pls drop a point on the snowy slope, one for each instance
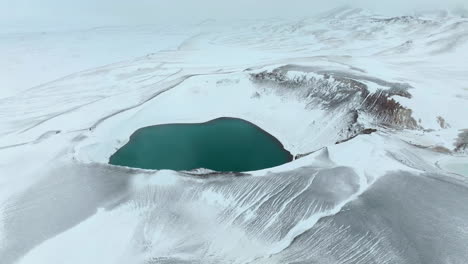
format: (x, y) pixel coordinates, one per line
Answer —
(51, 54)
(375, 109)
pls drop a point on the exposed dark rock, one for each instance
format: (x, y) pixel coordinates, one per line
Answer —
(300, 156)
(366, 131)
(461, 144)
(442, 123)
(402, 20)
(205, 173)
(389, 111)
(255, 95)
(334, 90)
(439, 149)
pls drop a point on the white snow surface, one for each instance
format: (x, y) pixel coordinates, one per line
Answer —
(68, 100)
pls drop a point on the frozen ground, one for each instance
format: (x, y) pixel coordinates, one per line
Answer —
(49, 54)
(375, 108)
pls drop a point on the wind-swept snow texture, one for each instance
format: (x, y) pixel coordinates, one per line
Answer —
(375, 110)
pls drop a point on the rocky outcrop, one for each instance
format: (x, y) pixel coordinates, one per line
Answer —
(461, 144)
(343, 93)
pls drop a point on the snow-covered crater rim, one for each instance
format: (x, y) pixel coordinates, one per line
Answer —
(91, 151)
(224, 135)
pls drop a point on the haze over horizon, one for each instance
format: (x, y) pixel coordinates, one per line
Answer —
(124, 12)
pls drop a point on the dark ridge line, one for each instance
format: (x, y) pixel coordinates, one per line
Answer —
(16, 145)
(184, 78)
(88, 71)
(344, 74)
(212, 174)
(61, 113)
(39, 139)
(366, 131)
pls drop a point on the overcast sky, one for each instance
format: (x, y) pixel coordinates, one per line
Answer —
(113, 12)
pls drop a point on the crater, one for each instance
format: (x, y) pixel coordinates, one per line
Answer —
(223, 144)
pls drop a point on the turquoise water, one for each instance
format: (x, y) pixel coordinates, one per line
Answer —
(224, 144)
